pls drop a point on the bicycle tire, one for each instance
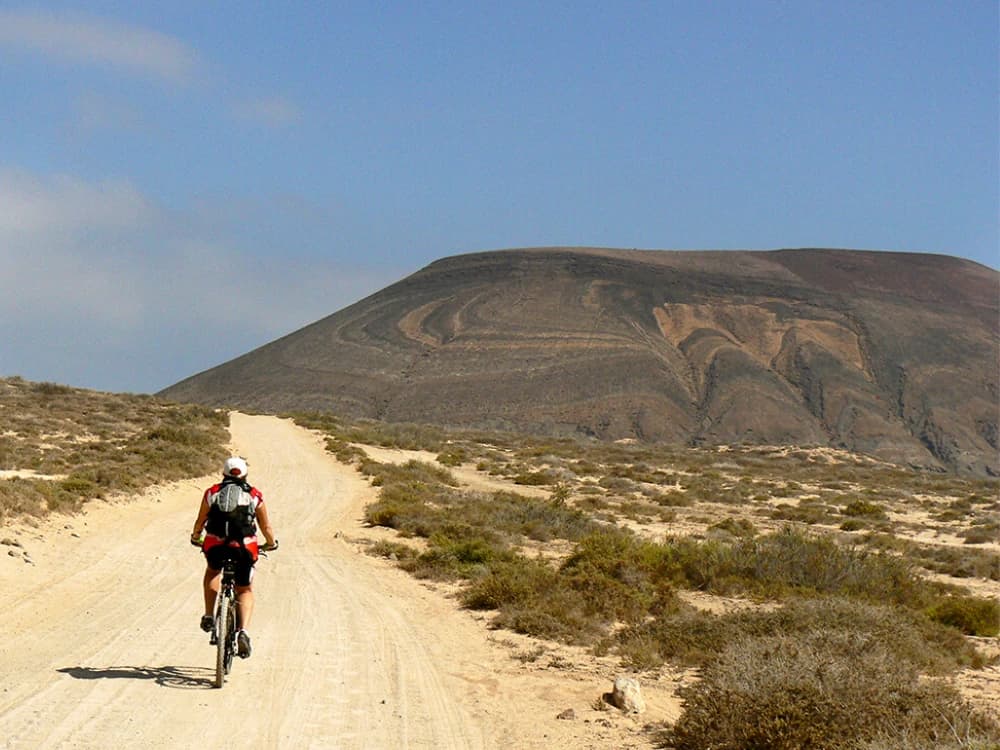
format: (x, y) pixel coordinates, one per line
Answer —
(230, 635)
(222, 639)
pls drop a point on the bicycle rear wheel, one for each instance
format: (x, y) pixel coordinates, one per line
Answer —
(223, 626)
(230, 635)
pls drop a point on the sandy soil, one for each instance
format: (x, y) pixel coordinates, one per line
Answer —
(99, 642)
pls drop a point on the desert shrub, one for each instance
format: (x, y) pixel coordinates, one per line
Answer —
(802, 513)
(392, 550)
(406, 436)
(530, 599)
(741, 527)
(20, 497)
(792, 561)
(583, 467)
(423, 472)
(865, 509)
(853, 524)
(621, 577)
(812, 563)
(51, 389)
(685, 636)
(971, 615)
(829, 691)
(415, 501)
(560, 494)
(953, 561)
(344, 451)
(458, 552)
(672, 499)
(982, 532)
(957, 510)
(514, 514)
(534, 478)
(511, 583)
(453, 457)
(99, 443)
(618, 484)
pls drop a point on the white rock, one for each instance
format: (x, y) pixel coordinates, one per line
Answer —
(627, 696)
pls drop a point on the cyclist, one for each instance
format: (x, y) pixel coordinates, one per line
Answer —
(227, 527)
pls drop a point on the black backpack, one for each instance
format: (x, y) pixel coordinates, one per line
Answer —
(232, 515)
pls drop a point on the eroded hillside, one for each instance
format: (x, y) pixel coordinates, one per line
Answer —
(887, 354)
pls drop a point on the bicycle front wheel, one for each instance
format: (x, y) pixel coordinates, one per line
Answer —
(222, 626)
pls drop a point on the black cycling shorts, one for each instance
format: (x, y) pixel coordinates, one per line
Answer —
(216, 558)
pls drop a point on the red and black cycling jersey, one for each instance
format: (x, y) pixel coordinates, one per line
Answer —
(236, 527)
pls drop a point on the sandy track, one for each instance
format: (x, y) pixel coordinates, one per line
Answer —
(99, 641)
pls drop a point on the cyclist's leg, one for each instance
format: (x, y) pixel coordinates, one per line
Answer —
(244, 600)
(244, 589)
(212, 581)
(211, 584)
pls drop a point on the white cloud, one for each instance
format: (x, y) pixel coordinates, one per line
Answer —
(135, 298)
(86, 39)
(34, 206)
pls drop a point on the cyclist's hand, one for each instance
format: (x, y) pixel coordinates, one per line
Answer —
(270, 547)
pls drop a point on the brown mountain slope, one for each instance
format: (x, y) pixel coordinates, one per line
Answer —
(890, 354)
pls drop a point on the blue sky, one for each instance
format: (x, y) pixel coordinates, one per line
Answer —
(183, 182)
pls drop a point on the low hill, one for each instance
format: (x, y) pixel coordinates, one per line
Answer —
(889, 354)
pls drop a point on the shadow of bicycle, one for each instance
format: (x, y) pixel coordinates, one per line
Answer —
(181, 678)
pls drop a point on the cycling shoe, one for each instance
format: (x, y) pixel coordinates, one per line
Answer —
(243, 647)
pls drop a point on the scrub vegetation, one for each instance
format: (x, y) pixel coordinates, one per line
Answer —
(61, 447)
(852, 572)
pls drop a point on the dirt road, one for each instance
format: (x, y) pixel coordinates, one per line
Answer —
(99, 641)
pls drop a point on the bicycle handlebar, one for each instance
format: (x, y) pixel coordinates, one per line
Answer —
(262, 548)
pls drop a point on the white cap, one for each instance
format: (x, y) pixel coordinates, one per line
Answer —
(235, 467)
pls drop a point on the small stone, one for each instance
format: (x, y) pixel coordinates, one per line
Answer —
(569, 714)
(13, 553)
(10, 542)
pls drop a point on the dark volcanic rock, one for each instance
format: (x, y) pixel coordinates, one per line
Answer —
(891, 354)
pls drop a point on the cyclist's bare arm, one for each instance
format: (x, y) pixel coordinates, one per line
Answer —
(199, 524)
(265, 525)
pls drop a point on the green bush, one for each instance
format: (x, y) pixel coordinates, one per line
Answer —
(458, 553)
(531, 599)
(865, 509)
(735, 527)
(622, 578)
(453, 457)
(534, 478)
(971, 615)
